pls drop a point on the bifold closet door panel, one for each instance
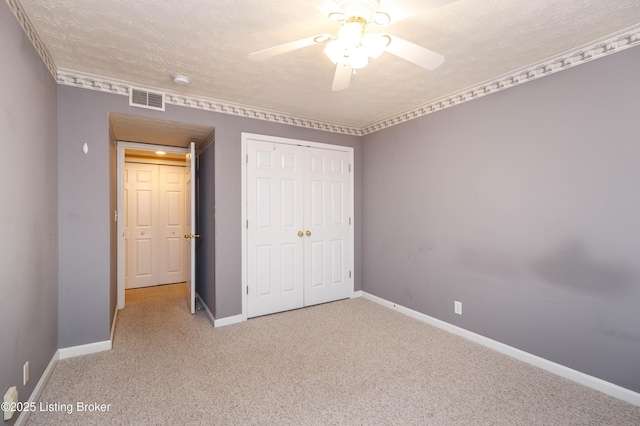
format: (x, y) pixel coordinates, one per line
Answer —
(328, 248)
(274, 221)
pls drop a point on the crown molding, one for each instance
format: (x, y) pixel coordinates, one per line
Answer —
(612, 43)
(120, 87)
(206, 143)
(32, 35)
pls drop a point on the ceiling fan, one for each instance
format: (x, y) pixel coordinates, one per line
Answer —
(354, 44)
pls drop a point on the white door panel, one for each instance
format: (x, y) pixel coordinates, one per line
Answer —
(190, 228)
(172, 211)
(328, 249)
(289, 259)
(274, 212)
(141, 223)
(127, 239)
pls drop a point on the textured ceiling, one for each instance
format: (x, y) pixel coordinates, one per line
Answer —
(145, 42)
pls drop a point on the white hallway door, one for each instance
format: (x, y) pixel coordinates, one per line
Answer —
(190, 228)
(154, 197)
(299, 241)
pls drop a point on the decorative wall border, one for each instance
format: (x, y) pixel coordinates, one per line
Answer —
(95, 82)
(209, 140)
(615, 42)
(119, 87)
(607, 45)
(32, 34)
(225, 107)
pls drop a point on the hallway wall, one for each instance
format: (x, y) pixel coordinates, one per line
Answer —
(28, 212)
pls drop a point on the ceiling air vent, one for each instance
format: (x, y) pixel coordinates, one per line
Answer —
(146, 99)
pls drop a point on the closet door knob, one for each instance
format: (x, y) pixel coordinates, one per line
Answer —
(308, 233)
(300, 233)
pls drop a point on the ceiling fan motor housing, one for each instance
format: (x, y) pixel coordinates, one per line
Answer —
(361, 8)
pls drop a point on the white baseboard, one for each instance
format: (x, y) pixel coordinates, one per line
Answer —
(113, 325)
(87, 349)
(356, 294)
(221, 322)
(568, 373)
(207, 312)
(37, 391)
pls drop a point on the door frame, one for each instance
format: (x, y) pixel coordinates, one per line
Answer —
(121, 146)
(276, 139)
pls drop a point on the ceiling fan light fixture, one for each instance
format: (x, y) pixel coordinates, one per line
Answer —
(375, 44)
(363, 8)
(350, 34)
(352, 47)
(334, 51)
(358, 58)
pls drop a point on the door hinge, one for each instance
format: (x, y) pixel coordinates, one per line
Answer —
(247, 289)
(349, 274)
(349, 167)
(349, 221)
(247, 223)
(247, 158)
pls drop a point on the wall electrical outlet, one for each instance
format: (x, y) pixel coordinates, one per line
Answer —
(25, 373)
(457, 307)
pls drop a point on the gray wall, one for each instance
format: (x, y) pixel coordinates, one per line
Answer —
(523, 205)
(87, 229)
(29, 218)
(85, 216)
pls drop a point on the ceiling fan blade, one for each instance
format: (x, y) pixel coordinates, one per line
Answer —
(413, 53)
(403, 9)
(342, 77)
(288, 47)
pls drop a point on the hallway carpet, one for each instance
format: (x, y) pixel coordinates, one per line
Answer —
(350, 362)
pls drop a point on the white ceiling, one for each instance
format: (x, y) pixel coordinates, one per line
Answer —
(145, 42)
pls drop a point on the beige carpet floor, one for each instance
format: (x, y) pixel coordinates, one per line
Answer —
(350, 362)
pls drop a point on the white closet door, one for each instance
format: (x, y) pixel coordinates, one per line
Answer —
(142, 220)
(274, 212)
(171, 223)
(328, 248)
